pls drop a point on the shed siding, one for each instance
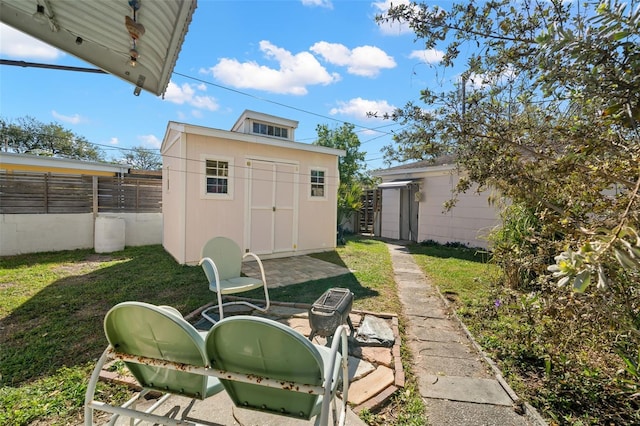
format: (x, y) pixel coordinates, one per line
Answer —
(467, 223)
(204, 217)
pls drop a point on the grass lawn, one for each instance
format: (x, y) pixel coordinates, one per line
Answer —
(52, 306)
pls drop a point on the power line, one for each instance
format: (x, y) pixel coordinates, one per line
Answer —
(277, 103)
(110, 147)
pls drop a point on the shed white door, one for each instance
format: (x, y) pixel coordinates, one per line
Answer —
(273, 199)
(409, 213)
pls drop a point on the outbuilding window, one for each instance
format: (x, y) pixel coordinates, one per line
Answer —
(270, 130)
(318, 183)
(218, 178)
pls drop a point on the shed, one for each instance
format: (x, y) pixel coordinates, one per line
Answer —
(413, 199)
(254, 184)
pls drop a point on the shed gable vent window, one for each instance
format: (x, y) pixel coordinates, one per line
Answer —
(317, 183)
(269, 130)
(217, 177)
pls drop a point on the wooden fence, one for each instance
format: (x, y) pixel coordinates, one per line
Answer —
(41, 193)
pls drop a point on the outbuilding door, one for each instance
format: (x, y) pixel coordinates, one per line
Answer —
(273, 199)
(409, 213)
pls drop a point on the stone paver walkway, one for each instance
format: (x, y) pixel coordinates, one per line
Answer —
(460, 386)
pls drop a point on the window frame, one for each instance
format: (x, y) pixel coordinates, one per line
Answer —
(269, 130)
(230, 178)
(324, 184)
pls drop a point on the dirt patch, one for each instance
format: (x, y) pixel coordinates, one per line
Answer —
(91, 263)
(451, 296)
(5, 286)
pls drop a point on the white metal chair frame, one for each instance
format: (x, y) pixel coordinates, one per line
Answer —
(234, 285)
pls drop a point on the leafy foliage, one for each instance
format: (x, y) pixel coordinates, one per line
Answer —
(141, 158)
(572, 355)
(352, 167)
(29, 136)
(546, 112)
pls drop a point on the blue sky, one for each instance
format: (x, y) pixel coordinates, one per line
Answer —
(314, 61)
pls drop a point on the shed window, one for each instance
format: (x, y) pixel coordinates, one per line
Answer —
(268, 129)
(217, 176)
(318, 183)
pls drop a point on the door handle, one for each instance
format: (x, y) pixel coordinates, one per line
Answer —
(274, 208)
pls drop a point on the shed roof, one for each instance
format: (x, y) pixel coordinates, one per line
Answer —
(95, 31)
(174, 128)
(445, 162)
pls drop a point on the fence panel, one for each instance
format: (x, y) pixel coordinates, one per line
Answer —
(35, 193)
(41, 193)
(128, 194)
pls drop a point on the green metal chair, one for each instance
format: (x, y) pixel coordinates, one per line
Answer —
(161, 334)
(222, 264)
(273, 368)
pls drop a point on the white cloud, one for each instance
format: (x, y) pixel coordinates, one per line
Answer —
(114, 141)
(483, 81)
(319, 3)
(293, 75)
(365, 61)
(150, 141)
(72, 119)
(429, 56)
(187, 94)
(16, 44)
(359, 108)
(391, 28)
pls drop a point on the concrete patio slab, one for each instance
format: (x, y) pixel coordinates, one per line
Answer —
(219, 410)
(293, 270)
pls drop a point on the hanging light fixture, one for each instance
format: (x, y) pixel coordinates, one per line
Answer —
(133, 55)
(135, 29)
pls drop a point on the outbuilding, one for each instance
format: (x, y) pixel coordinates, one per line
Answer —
(413, 205)
(254, 184)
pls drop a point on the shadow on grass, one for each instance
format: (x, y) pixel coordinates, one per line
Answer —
(61, 324)
(309, 291)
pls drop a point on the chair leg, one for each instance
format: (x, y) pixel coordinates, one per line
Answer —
(205, 313)
(91, 389)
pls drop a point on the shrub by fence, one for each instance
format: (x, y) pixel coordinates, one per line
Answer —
(42, 193)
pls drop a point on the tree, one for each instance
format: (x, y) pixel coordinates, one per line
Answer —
(142, 158)
(352, 167)
(547, 112)
(29, 136)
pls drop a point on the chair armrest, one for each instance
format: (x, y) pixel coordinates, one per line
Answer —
(257, 259)
(209, 267)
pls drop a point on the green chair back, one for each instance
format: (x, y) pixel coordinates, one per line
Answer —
(254, 345)
(141, 329)
(227, 256)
